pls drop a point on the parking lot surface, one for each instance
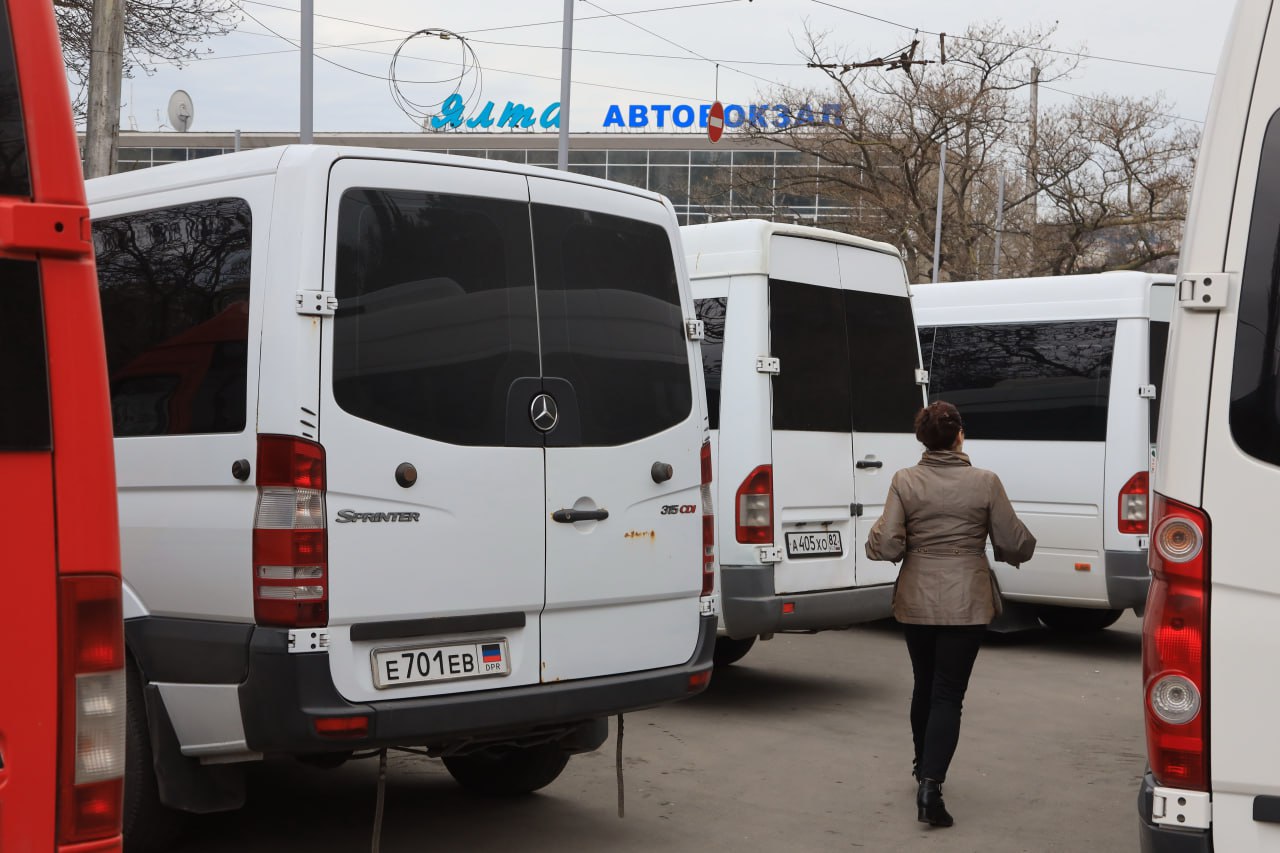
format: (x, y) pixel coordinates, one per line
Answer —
(804, 745)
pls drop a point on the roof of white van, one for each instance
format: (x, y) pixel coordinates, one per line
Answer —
(1098, 296)
(741, 247)
(264, 161)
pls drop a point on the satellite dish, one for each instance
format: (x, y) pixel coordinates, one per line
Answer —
(181, 111)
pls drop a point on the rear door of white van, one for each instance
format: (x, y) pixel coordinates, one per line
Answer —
(623, 534)
(435, 490)
(884, 355)
(812, 440)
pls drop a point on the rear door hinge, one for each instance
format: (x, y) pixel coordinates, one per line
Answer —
(855, 510)
(695, 330)
(922, 377)
(769, 554)
(1147, 392)
(59, 229)
(316, 303)
(768, 364)
(1203, 292)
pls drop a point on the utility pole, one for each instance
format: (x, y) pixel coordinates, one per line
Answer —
(937, 227)
(306, 100)
(999, 226)
(1033, 158)
(566, 65)
(106, 66)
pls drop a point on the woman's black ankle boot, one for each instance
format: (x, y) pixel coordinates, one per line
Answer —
(930, 808)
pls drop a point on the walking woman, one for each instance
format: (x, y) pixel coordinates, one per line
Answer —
(936, 519)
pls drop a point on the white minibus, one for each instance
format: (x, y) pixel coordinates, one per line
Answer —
(812, 374)
(1210, 638)
(1057, 381)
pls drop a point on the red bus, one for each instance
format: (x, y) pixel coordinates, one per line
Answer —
(62, 676)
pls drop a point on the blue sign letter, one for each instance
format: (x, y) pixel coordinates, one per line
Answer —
(546, 120)
(683, 110)
(613, 116)
(516, 115)
(729, 121)
(639, 116)
(450, 112)
(484, 119)
(661, 110)
(831, 114)
(704, 113)
(784, 116)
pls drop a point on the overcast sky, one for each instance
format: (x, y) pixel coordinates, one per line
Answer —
(231, 89)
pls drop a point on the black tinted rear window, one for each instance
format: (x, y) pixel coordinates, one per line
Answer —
(15, 175)
(1158, 344)
(883, 362)
(611, 321)
(712, 313)
(1025, 381)
(24, 383)
(174, 284)
(807, 335)
(436, 316)
(1255, 377)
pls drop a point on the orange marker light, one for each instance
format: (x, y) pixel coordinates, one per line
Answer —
(788, 607)
(1084, 567)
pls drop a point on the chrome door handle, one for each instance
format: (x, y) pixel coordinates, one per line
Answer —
(569, 516)
(869, 463)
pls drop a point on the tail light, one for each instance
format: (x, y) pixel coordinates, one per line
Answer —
(1175, 647)
(290, 542)
(754, 506)
(92, 708)
(1133, 504)
(708, 525)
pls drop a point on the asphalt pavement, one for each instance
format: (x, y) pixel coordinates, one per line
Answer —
(802, 746)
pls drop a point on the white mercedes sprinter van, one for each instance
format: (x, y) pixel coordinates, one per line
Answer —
(1057, 380)
(1210, 638)
(397, 437)
(812, 374)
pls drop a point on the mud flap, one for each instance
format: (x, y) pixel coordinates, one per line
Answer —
(184, 783)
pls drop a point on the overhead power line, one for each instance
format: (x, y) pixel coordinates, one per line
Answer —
(1076, 54)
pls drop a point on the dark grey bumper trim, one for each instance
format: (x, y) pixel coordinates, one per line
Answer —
(1161, 839)
(752, 608)
(1127, 579)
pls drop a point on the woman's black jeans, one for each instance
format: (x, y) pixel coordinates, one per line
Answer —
(942, 659)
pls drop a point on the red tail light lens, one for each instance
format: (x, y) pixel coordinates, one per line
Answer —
(708, 525)
(1133, 504)
(290, 539)
(92, 708)
(1175, 646)
(753, 521)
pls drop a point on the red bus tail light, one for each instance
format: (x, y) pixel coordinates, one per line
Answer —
(708, 525)
(1134, 498)
(92, 708)
(753, 505)
(1175, 646)
(290, 536)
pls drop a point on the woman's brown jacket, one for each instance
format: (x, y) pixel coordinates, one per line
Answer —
(937, 516)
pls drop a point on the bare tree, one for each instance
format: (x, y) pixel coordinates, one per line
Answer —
(155, 31)
(1062, 206)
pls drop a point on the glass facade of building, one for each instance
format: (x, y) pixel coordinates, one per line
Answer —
(703, 184)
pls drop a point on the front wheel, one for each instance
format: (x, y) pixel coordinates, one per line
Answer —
(1078, 620)
(730, 651)
(508, 771)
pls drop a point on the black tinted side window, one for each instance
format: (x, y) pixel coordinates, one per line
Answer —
(612, 323)
(883, 362)
(174, 284)
(1255, 377)
(15, 175)
(1028, 381)
(436, 314)
(807, 336)
(712, 313)
(24, 382)
(1158, 344)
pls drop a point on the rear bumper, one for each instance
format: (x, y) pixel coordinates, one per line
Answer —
(1127, 579)
(1162, 839)
(284, 694)
(751, 607)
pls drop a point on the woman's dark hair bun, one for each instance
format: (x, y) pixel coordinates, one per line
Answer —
(938, 425)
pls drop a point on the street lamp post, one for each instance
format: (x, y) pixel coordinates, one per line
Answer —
(566, 64)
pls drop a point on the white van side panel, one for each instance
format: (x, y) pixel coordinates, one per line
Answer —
(176, 493)
(1128, 447)
(1238, 490)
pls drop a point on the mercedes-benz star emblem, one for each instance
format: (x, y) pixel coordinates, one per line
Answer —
(543, 412)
